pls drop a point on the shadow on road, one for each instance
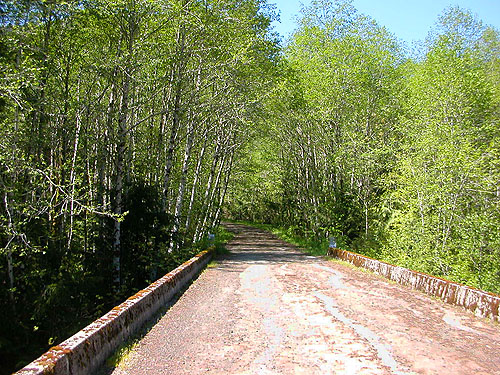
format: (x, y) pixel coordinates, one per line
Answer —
(256, 246)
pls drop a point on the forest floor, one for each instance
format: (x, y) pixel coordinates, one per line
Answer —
(267, 308)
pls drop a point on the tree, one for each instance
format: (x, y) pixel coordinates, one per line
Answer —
(445, 200)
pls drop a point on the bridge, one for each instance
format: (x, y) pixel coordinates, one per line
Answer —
(267, 308)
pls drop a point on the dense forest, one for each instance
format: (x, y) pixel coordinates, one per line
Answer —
(129, 128)
(394, 152)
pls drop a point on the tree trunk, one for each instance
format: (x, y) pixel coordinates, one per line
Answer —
(209, 214)
(182, 185)
(72, 180)
(200, 228)
(195, 182)
(10, 261)
(118, 209)
(215, 221)
(177, 79)
(121, 152)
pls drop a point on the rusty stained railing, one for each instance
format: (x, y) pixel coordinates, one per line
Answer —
(481, 303)
(88, 349)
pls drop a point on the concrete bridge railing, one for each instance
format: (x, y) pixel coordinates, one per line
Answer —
(481, 303)
(88, 349)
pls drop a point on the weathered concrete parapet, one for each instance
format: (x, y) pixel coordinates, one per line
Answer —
(88, 349)
(482, 304)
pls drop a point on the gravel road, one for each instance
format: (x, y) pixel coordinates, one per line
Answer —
(269, 309)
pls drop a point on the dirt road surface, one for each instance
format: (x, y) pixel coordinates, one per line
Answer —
(269, 309)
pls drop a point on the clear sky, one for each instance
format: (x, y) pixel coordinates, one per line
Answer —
(409, 20)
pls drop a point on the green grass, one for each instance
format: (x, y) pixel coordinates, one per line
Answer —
(308, 245)
(222, 237)
(122, 353)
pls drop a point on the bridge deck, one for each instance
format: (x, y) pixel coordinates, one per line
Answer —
(269, 309)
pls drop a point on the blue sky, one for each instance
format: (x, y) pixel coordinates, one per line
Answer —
(409, 20)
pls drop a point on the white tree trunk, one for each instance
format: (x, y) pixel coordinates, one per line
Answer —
(121, 152)
(10, 261)
(182, 184)
(224, 190)
(209, 214)
(195, 183)
(72, 180)
(177, 79)
(199, 227)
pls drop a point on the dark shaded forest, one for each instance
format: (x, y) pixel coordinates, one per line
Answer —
(130, 128)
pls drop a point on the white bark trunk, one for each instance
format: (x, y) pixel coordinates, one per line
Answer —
(195, 183)
(199, 228)
(121, 152)
(215, 221)
(177, 79)
(209, 214)
(10, 261)
(72, 180)
(182, 185)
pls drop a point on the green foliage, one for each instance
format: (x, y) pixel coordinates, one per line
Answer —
(255, 193)
(397, 157)
(444, 194)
